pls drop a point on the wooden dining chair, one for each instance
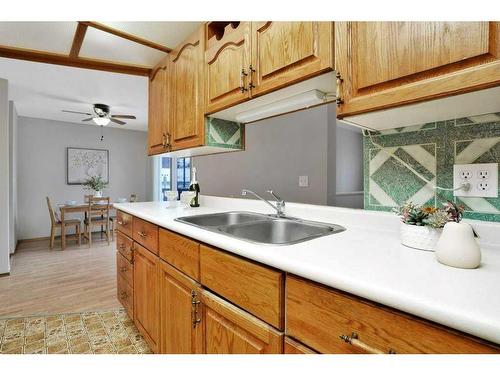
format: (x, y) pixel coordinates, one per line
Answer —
(55, 223)
(97, 215)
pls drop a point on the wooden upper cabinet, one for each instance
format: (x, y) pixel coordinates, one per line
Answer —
(227, 60)
(158, 115)
(386, 64)
(187, 92)
(146, 295)
(230, 330)
(181, 332)
(287, 52)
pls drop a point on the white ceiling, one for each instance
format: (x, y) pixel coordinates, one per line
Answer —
(43, 90)
(58, 37)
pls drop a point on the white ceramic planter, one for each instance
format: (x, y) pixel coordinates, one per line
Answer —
(98, 194)
(419, 237)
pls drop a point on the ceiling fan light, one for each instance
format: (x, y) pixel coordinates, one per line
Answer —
(103, 121)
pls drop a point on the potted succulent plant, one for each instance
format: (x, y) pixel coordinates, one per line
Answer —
(97, 184)
(421, 226)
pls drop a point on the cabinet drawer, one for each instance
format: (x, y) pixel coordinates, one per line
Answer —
(180, 252)
(125, 246)
(146, 234)
(124, 223)
(255, 288)
(125, 294)
(318, 316)
(125, 269)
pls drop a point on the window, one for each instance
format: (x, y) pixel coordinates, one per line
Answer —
(170, 178)
(183, 173)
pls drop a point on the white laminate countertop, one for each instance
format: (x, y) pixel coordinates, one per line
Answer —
(366, 260)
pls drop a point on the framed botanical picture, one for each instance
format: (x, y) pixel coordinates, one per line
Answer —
(83, 163)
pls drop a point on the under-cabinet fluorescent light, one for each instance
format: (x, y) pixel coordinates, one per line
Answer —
(101, 120)
(292, 103)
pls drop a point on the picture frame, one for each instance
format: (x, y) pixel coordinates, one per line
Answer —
(83, 163)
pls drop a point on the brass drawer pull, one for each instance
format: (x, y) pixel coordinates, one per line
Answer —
(123, 295)
(339, 100)
(142, 234)
(243, 74)
(355, 341)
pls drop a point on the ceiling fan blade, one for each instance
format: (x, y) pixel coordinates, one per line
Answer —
(80, 113)
(117, 121)
(132, 117)
(87, 119)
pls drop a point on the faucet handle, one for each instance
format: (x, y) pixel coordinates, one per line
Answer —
(278, 198)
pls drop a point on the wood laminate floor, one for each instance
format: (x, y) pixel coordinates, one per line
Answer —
(44, 281)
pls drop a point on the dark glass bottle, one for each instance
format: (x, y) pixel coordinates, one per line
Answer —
(194, 186)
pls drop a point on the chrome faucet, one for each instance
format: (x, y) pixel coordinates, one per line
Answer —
(280, 203)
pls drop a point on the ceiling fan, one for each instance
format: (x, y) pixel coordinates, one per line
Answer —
(101, 115)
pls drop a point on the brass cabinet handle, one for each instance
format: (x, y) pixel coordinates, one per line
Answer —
(339, 100)
(194, 308)
(251, 70)
(243, 74)
(142, 234)
(354, 340)
(169, 146)
(123, 295)
(121, 222)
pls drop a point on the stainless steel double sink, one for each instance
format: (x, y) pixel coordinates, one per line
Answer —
(262, 229)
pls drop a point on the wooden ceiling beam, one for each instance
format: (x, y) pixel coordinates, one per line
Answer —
(125, 35)
(78, 62)
(81, 29)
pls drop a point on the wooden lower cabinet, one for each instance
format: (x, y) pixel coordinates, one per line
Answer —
(230, 330)
(318, 316)
(146, 295)
(181, 332)
(295, 347)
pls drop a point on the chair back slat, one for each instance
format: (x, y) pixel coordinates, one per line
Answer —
(53, 215)
(99, 206)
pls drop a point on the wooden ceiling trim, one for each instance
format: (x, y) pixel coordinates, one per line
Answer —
(125, 35)
(78, 62)
(81, 29)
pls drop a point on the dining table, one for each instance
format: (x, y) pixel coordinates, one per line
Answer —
(72, 208)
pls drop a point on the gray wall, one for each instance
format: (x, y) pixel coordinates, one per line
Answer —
(13, 177)
(279, 150)
(4, 177)
(349, 167)
(42, 167)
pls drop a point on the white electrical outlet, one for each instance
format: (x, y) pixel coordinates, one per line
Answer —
(482, 180)
(303, 181)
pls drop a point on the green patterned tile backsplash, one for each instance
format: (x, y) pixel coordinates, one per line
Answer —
(431, 150)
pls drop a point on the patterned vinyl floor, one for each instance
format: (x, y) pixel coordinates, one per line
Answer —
(107, 332)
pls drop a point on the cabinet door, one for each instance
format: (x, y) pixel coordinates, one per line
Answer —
(385, 64)
(187, 93)
(227, 60)
(146, 295)
(287, 52)
(295, 347)
(230, 330)
(181, 331)
(158, 115)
